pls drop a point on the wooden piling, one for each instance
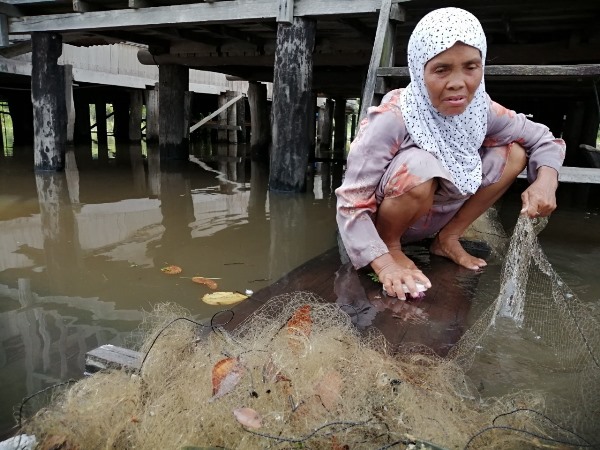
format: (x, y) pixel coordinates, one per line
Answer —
(81, 127)
(101, 131)
(339, 142)
(292, 95)
(136, 103)
(260, 132)
(173, 126)
(121, 119)
(69, 102)
(49, 104)
(151, 97)
(231, 119)
(325, 125)
(241, 120)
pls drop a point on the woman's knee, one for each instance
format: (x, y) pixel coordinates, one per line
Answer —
(517, 158)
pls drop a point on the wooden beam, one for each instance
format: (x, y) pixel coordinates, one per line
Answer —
(9, 10)
(569, 174)
(137, 4)
(82, 6)
(194, 13)
(217, 112)
(529, 72)
(285, 12)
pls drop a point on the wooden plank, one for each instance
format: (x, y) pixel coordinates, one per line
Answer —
(285, 12)
(194, 13)
(112, 357)
(575, 175)
(528, 72)
(215, 113)
(9, 10)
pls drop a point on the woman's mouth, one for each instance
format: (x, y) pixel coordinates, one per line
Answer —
(455, 101)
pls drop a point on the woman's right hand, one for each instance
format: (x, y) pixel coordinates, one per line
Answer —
(395, 276)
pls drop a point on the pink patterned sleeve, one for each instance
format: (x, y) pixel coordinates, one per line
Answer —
(378, 140)
(543, 149)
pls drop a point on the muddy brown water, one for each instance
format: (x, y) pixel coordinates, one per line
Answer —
(81, 250)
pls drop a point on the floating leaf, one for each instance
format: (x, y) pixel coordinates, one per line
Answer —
(223, 298)
(206, 281)
(248, 417)
(226, 374)
(171, 270)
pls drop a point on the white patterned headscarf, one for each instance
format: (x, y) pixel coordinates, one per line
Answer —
(454, 140)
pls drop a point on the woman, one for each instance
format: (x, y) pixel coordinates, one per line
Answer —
(435, 155)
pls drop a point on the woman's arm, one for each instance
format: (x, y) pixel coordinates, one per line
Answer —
(378, 140)
(545, 154)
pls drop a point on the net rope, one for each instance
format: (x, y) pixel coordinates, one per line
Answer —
(298, 374)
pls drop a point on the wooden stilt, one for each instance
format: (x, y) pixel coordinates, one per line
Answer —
(312, 126)
(572, 133)
(260, 133)
(231, 119)
(151, 115)
(172, 128)
(49, 104)
(81, 127)
(241, 120)
(70, 104)
(101, 123)
(135, 116)
(222, 119)
(339, 142)
(121, 119)
(353, 127)
(292, 96)
(326, 122)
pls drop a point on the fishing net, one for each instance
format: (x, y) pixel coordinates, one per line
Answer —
(298, 374)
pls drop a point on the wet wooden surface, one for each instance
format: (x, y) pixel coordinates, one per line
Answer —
(436, 321)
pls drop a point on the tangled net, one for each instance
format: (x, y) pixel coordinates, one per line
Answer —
(297, 374)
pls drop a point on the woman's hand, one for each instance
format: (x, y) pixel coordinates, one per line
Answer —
(539, 199)
(393, 276)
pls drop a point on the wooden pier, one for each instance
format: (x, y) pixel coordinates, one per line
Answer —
(331, 49)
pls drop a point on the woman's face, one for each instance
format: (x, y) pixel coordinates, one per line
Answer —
(452, 77)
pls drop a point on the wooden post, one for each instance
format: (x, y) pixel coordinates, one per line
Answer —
(152, 115)
(222, 119)
(572, 133)
(339, 142)
(173, 83)
(101, 132)
(135, 115)
(260, 133)
(81, 127)
(241, 120)
(312, 126)
(231, 119)
(292, 96)
(70, 104)
(326, 122)
(49, 104)
(353, 127)
(121, 119)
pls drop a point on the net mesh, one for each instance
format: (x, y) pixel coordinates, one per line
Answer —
(297, 373)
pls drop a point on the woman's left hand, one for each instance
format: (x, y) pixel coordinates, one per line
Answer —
(539, 199)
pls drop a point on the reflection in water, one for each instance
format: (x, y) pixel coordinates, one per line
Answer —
(82, 250)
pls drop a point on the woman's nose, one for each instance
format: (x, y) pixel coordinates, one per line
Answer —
(456, 80)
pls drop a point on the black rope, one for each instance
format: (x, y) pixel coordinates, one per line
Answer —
(215, 328)
(41, 391)
(310, 435)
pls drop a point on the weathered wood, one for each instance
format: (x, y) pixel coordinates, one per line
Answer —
(136, 4)
(136, 103)
(339, 142)
(81, 126)
(152, 115)
(215, 113)
(83, 6)
(382, 55)
(121, 119)
(353, 127)
(69, 102)
(514, 72)
(260, 130)
(101, 129)
(592, 155)
(285, 11)
(4, 41)
(292, 94)
(240, 115)
(194, 13)
(222, 119)
(49, 104)
(568, 174)
(326, 125)
(173, 83)
(231, 119)
(112, 357)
